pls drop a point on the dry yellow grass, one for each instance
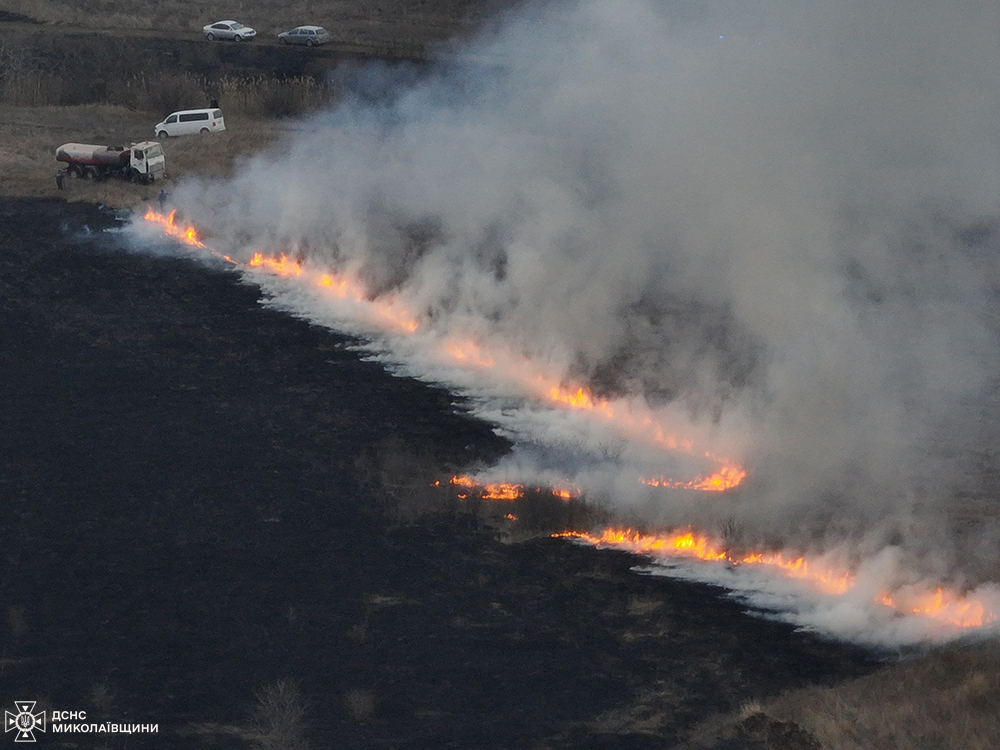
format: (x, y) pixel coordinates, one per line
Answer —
(948, 699)
(29, 137)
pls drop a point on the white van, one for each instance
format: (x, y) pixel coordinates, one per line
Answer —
(190, 121)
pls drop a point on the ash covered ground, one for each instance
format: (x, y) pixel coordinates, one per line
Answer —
(203, 497)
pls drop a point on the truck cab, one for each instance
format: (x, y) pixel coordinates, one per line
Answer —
(147, 161)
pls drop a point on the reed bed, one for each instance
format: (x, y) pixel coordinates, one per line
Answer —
(257, 96)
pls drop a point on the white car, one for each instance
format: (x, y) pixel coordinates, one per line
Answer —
(228, 30)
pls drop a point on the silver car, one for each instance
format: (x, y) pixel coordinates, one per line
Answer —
(307, 35)
(228, 30)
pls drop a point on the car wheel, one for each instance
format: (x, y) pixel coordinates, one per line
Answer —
(91, 174)
(309, 42)
(162, 134)
(238, 38)
(73, 170)
(204, 130)
(210, 36)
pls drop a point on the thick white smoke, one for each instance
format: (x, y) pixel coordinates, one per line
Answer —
(769, 222)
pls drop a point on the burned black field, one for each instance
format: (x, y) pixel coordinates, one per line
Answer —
(203, 498)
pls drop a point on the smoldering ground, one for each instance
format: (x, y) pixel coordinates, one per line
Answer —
(772, 223)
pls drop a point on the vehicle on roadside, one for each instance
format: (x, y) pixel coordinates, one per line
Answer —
(190, 122)
(137, 162)
(310, 36)
(228, 30)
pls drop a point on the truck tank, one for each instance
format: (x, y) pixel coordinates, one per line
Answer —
(85, 153)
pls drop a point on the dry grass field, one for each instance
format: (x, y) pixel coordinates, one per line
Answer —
(29, 137)
(949, 698)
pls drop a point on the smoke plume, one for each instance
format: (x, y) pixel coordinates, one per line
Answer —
(771, 224)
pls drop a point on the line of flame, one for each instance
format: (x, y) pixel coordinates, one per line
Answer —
(947, 608)
(282, 265)
(188, 235)
(725, 478)
(391, 313)
(494, 491)
(507, 490)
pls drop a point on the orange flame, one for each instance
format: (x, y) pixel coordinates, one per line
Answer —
(389, 312)
(508, 490)
(503, 491)
(282, 265)
(689, 544)
(725, 478)
(948, 609)
(579, 399)
(494, 491)
(187, 235)
(944, 606)
(685, 543)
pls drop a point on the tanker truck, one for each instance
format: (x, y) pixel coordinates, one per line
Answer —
(138, 162)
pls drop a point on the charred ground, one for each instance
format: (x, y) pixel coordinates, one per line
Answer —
(204, 497)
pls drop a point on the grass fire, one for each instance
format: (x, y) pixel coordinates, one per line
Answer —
(605, 373)
(948, 611)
